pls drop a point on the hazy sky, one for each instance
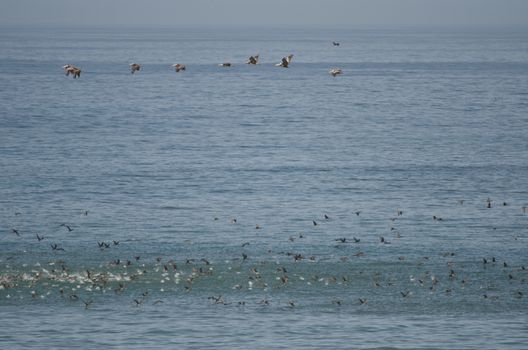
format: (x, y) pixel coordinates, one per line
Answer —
(266, 12)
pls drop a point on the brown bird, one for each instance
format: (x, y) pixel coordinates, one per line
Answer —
(178, 67)
(225, 64)
(134, 67)
(69, 69)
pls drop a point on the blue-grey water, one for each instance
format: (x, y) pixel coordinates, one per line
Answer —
(422, 142)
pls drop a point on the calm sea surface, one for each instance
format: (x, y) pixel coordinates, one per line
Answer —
(263, 207)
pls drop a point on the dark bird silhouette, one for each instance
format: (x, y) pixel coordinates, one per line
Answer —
(116, 242)
(405, 294)
(56, 247)
(16, 232)
(314, 222)
(253, 59)
(335, 43)
(40, 238)
(326, 217)
(68, 227)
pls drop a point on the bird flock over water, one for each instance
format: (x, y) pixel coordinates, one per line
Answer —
(144, 279)
(285, 62)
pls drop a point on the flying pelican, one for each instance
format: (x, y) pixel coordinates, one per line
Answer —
(334, 72)
(134, 67)
(178, 67)
(69, 69)
(253, 59)
(285, 62)
(225, 64)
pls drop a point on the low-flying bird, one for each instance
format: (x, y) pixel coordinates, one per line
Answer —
(134, 67)
(253, 59)
(285, 61)
(68, 227)
(335, 71)
(74, 71)
(56, 247)
(178, 67)
(87, 304)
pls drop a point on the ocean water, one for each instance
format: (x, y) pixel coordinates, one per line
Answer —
(217, 207)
